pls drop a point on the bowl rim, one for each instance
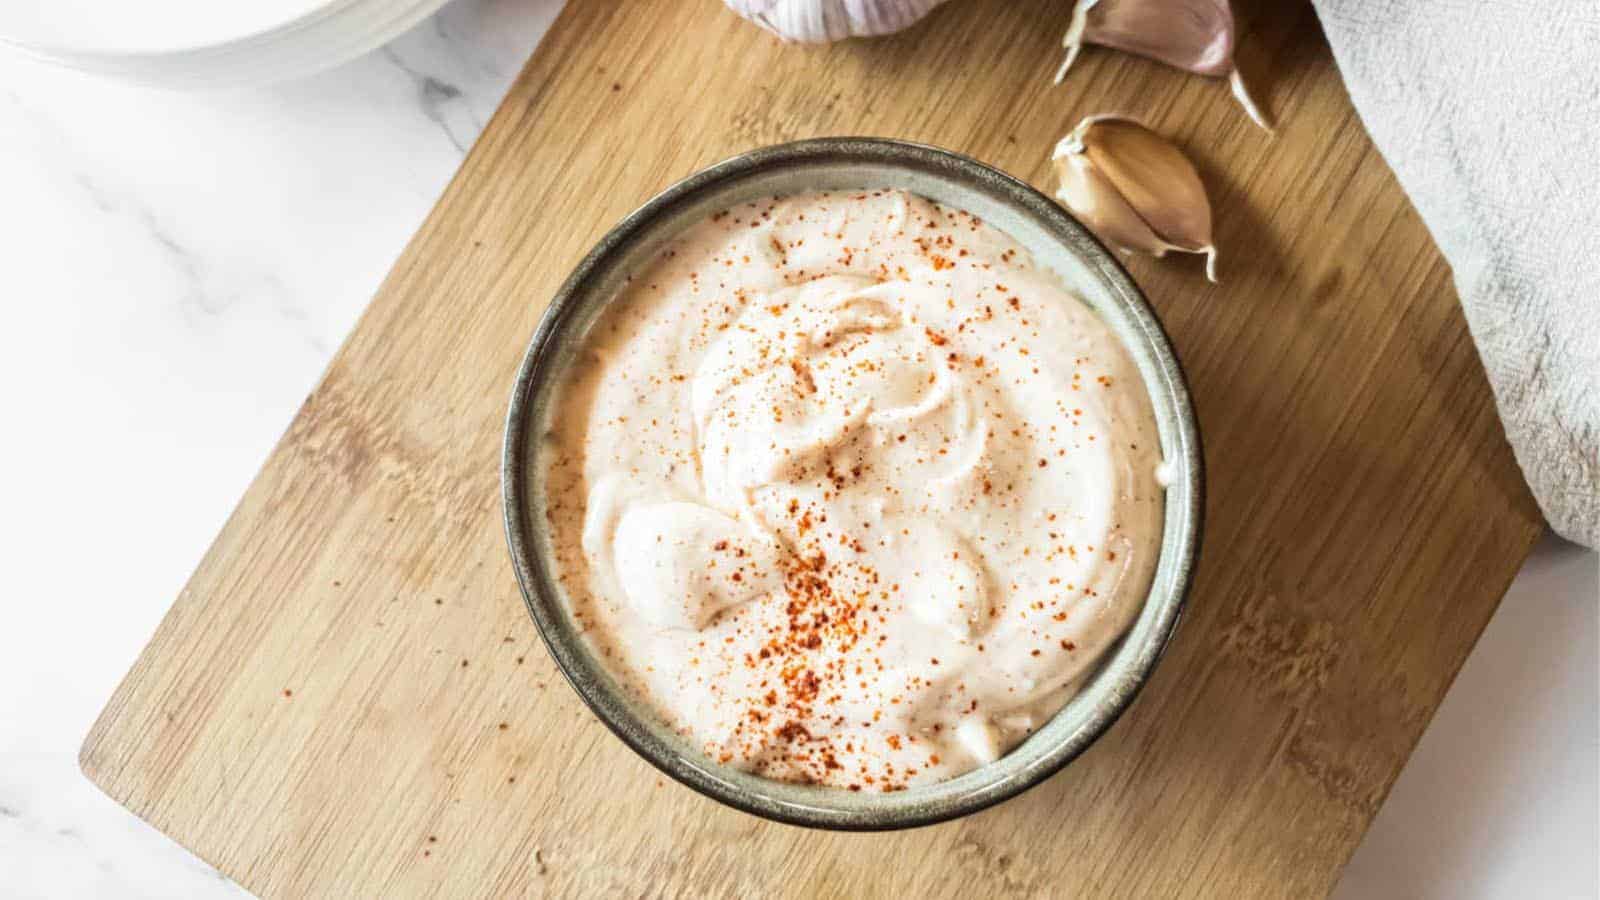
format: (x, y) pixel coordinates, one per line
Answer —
(540, 597)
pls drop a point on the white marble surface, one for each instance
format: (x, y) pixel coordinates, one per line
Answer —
(181, 268)
(1500, 798)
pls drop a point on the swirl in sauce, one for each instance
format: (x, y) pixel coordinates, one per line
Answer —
(850, 492)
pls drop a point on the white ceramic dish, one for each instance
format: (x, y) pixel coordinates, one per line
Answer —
(329, 33)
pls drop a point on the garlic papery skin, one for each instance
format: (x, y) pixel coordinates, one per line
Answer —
(1134, 188)
(1194, 35)
(826, 21)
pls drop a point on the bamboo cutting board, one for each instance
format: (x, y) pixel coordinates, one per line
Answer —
(349, 698)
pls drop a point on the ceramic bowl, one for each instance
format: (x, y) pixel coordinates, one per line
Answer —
(1058, 243)
(226, 48)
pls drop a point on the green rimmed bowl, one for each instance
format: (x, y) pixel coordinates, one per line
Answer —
(1058, 243)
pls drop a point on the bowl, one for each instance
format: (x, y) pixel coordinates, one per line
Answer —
(1058, 243)
(187, 45)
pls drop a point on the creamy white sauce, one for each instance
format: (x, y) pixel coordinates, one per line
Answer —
(850, 492)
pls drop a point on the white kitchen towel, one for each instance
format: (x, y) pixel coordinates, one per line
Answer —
(1489, 113)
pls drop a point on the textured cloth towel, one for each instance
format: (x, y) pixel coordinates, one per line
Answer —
(1489, 113)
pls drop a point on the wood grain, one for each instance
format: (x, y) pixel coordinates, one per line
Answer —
(348, 697)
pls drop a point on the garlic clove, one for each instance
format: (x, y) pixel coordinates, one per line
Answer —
(1194, 35)
(1095, 200)
(1155, 178)
(826, 21)
(1134, 189)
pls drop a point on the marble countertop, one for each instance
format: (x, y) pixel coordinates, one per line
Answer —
(180, 268)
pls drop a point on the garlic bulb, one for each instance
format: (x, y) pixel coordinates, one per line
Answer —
(825, 21)
(1196, 35)
(1134, 189)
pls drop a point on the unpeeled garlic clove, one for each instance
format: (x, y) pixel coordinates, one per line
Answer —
(825, 21)
(1134, 189)
(1195, 35)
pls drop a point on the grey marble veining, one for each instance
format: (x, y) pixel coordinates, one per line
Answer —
(185, 264)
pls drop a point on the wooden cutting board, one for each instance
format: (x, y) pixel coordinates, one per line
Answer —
(349, 698)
